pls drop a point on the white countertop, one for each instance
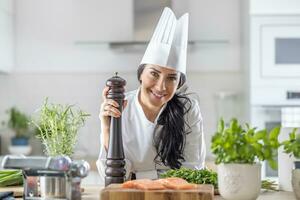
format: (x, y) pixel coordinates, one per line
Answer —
(270, 195)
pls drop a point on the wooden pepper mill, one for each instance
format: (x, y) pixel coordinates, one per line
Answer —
(115, 171)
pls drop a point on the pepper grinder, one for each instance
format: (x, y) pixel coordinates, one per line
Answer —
(115, 171)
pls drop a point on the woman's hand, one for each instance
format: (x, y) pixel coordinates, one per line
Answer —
(108, 109)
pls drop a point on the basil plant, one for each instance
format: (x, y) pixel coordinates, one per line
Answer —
(291, 146)
(244, 145)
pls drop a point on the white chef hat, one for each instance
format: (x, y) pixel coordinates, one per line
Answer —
(168, 45)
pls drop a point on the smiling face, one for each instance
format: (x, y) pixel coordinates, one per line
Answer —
(158, 85)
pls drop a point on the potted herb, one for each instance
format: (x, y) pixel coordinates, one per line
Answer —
(18, 122)
(202, 176)
(58, 127)
(238, 150)
(291, 146)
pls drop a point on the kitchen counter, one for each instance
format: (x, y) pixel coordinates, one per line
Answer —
(93, 192)
(271, 196)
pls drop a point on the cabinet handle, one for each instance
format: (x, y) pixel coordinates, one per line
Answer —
(290, 95)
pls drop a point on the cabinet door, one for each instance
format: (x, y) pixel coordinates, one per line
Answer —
(274, 7)
(215, 28)
(103, 20)
(6, 6)
(211, 19)
(6, 42)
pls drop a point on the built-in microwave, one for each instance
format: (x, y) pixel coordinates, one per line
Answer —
(280, 50)
(275, 60)
(280, 47)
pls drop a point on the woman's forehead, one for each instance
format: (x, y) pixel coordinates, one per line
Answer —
(167, 70)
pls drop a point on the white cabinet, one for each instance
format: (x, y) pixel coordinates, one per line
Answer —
(215, 28)
(276, 7)
(103, 20)
(6, 6)
(6, 38)
(211, 20)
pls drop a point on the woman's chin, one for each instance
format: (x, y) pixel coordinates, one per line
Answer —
(156, 102)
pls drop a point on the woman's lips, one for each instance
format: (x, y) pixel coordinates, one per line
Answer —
(157, 95)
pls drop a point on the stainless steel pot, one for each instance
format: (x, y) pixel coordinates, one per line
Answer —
(53, 187)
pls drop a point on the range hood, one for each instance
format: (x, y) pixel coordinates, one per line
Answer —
(146, 16)
(132, 24)
(140, 25)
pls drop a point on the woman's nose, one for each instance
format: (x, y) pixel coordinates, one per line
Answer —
(161, 84)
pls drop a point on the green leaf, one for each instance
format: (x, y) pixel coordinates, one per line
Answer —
(203, 176)
(272, 163)
(293, 134)
(221, 126)
(291, 146)
(274, 133)
(244, 145)
(260, 134)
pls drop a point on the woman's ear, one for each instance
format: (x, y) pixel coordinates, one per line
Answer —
(182, 80)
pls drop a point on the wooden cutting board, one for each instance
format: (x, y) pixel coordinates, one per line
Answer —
(116, 192)
(18, 190)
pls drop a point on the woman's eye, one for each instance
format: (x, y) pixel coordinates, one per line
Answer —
(155, 74)
(173, 78)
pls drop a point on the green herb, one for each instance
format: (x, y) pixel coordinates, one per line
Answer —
(58, 128)
(269, 185)
(18, 122)
(235, 144)
(10, 178)
(204, 176)
(292, 145)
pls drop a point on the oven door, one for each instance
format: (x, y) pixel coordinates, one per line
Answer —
(280, 50)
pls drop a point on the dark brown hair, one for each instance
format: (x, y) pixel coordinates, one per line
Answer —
(170, 141)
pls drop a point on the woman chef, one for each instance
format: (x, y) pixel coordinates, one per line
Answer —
(161, 125)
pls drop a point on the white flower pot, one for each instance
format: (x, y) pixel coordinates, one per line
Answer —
(239, 181)
(296, 182)
(285, 166)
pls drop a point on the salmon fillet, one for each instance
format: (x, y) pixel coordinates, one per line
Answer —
(177, 184)
(128, 184)
(143, 184)
(160, 184)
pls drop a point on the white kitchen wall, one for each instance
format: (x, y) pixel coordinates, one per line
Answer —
(48, 40)
(50, 64)
(6, 35)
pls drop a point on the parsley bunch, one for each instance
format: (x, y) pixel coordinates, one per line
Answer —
(203, 176)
